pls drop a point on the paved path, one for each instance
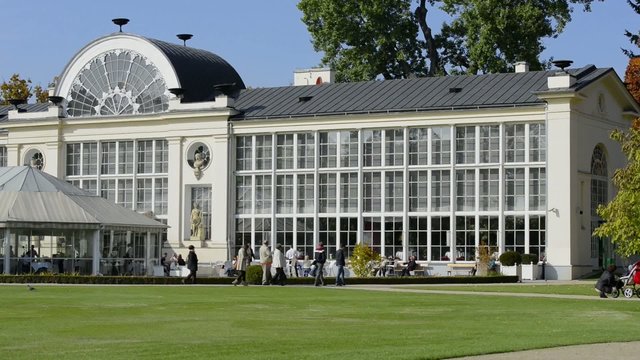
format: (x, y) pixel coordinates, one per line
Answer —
(609, 351)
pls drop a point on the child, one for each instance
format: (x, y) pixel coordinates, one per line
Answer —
(306, 266)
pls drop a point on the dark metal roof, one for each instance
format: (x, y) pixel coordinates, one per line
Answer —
(422, 94)
(4, 109)
(198, 70)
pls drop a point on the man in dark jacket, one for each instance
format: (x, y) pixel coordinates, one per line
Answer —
(320, 258)
(411, 266)
(192, 265)
(340, 263)
(607, 281)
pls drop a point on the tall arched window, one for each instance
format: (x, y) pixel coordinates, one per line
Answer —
(600, 248)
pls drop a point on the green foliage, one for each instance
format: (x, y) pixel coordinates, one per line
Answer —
(18, 88)
(367, 39)
(363, 39)
(529, 259)
(15, 88)
(48, 278)
(363, 260)
(622, 215)
(510, 258)
(41, 95)
(254, 274)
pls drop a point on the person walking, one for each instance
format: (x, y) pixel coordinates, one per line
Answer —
(265, 261)
(320, 258)
(192, 265)
(279, 263)
(292, 256)
(242, 262)
(340, 263)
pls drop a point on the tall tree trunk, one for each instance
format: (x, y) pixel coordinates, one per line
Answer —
(432, 51)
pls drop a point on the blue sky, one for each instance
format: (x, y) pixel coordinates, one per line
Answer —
(264, 40)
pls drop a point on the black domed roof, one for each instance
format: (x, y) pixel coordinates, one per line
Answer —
(199, 71)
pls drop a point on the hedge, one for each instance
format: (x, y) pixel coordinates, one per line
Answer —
(151, 280)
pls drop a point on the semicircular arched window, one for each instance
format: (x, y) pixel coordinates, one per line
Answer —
(118, 82)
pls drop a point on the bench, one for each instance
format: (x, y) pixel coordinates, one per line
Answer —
(466, 269)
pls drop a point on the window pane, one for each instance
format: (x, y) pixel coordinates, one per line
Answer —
(465, 145)
(372, 147)
(394, 147)
(348, 148)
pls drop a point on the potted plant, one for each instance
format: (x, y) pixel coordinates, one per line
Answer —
(530, 267)
(510, 264)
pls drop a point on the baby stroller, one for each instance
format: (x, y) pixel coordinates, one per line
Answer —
(627, 283)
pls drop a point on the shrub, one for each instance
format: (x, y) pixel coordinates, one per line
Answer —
(529, 258)
(510, 258)
(254, 274)
(363, 260)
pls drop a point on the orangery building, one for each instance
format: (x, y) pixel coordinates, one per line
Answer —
(429, 167)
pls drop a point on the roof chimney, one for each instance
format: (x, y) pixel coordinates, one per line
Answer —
(522, 67)
(562, 79)
(315, 76)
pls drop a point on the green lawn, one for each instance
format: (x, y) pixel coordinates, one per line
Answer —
(224, 322)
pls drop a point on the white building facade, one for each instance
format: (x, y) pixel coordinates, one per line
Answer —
(426, 167)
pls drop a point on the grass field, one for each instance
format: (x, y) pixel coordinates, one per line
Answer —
(223, 322)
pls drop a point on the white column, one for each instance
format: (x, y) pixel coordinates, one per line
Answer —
(95, 268)
(13, 155)
(175, 189)
(219, 192)
(53, 159)
(7, 251)
(561, 189)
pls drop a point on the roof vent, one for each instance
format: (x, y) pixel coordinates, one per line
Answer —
(304, 98)
(120, 22)
(455, 90)
(184, 38)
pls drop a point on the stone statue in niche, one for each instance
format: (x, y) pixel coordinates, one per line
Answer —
(198, 164)
(197, 226)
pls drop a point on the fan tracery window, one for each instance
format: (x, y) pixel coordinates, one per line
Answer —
(118, 82)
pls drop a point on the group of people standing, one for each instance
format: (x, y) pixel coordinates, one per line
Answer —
(277, 260)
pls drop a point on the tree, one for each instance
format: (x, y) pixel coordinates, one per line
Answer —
(633, 38)
(41, 95)
(363, 40)
(18, 88)
(363, 260)
(622, 215)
